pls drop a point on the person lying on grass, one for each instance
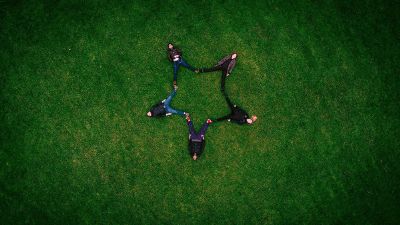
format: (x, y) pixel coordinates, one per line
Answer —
(163, 108)
(237, 114)
(175, 56)
(226, 65)
(196, 139)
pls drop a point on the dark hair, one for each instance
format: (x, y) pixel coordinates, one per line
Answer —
(196, 147)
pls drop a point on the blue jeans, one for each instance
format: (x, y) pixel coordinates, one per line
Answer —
(167, 101)
(178, 64)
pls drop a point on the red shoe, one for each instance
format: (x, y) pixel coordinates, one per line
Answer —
(209, 121)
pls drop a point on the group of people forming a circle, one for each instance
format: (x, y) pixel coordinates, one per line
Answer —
(163, 108)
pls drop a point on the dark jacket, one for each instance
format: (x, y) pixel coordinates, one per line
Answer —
(227, 63)
(158, 110)
(173, 53)
(239, 116)
(196, 146)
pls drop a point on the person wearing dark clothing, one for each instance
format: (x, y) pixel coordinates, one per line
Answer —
(175, 56)
(163, 108)
(237, 114)
(226, 65)
(196, 139)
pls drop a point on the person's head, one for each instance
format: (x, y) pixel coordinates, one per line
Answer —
(170, 46)
(252, 119)
(149, 114)
(196, 147)
(233, 55)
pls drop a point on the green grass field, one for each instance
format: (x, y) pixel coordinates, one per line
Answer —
(77, 78)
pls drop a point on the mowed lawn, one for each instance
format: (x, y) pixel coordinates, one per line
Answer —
(77, 78)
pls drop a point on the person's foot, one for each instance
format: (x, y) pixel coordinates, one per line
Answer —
(209, 121)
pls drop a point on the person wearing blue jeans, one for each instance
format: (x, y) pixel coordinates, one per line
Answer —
(163, 108)
(175, 56)
(196, 139)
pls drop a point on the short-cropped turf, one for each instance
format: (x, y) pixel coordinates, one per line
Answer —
(77, 78)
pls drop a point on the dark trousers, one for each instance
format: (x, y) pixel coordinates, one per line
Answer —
(231, 107)
(197, 135)
(178, 64)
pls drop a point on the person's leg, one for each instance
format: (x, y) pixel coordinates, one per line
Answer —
(228, 100)
(203, 129)
(176, 68)
(223, 78)
(185, 64)
(169, 98)
(174, 111)
(223, 118)
(191, 128)
(211, 69)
